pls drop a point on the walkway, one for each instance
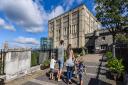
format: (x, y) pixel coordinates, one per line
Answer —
(96, 74)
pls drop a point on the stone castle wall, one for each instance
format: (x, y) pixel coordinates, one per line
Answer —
(17, 63)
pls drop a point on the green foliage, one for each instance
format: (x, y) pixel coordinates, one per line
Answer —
(65, 56)
(122, 38)
(34, 58)
(46, 63)
(112, 14)
(83, 52)
(115, 65)
(76, 55)
(108, 55)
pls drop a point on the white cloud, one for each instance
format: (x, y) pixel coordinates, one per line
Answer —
(24, 13)
(20, 45)
(94, 7)
(27, 40)
(5, 25)
(55, 12)
(69, 3)
(79, 1)
(28, 14)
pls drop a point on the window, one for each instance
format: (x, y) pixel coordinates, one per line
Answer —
(74, 29)
(104, 47)
(103, 38)
(59, 32)
(70, 30)
(64, 31)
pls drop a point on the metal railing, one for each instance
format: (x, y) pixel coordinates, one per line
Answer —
(2, 60)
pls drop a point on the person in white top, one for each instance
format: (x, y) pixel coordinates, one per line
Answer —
(52, 65)
(69, 63)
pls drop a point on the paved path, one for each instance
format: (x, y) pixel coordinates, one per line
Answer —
(95, 75)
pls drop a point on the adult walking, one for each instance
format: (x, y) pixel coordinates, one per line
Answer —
(60, 59)
(69, 63)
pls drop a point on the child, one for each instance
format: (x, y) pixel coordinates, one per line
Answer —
(81, 69)
(76, 68)
(52, 65)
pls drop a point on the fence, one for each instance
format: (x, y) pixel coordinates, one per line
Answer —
(2, 60)
(122, 51)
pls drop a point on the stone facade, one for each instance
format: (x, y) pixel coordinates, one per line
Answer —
(72, 27)
(98, 41)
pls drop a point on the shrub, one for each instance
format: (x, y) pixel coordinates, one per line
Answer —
(82, 52)
(34, 58)
(108, 55)
(115, 65)
(46, 63)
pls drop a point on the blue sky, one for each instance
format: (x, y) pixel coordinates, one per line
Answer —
(24, 22)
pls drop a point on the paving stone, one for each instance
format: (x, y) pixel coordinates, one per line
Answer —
(96, 75)
(31, 83)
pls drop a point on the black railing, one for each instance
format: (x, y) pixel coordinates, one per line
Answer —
(2, 60)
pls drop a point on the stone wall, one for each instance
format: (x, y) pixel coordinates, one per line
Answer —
(100, 42)
(17, 63)
(72, 27)
(108, 40)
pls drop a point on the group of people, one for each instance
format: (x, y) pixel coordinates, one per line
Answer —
(70, 63)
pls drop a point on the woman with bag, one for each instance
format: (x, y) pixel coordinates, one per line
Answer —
(69, 63)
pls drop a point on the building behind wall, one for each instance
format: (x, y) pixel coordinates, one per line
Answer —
(72, 27)
(98, 41)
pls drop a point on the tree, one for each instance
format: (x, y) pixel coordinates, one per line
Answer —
(113, 15)
(122, 38)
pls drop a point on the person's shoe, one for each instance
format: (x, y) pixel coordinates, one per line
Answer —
(59, 80)
(70, 82)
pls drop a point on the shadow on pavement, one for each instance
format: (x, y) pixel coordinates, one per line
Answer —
(97, 81)
(94, 81)
(99, 67)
